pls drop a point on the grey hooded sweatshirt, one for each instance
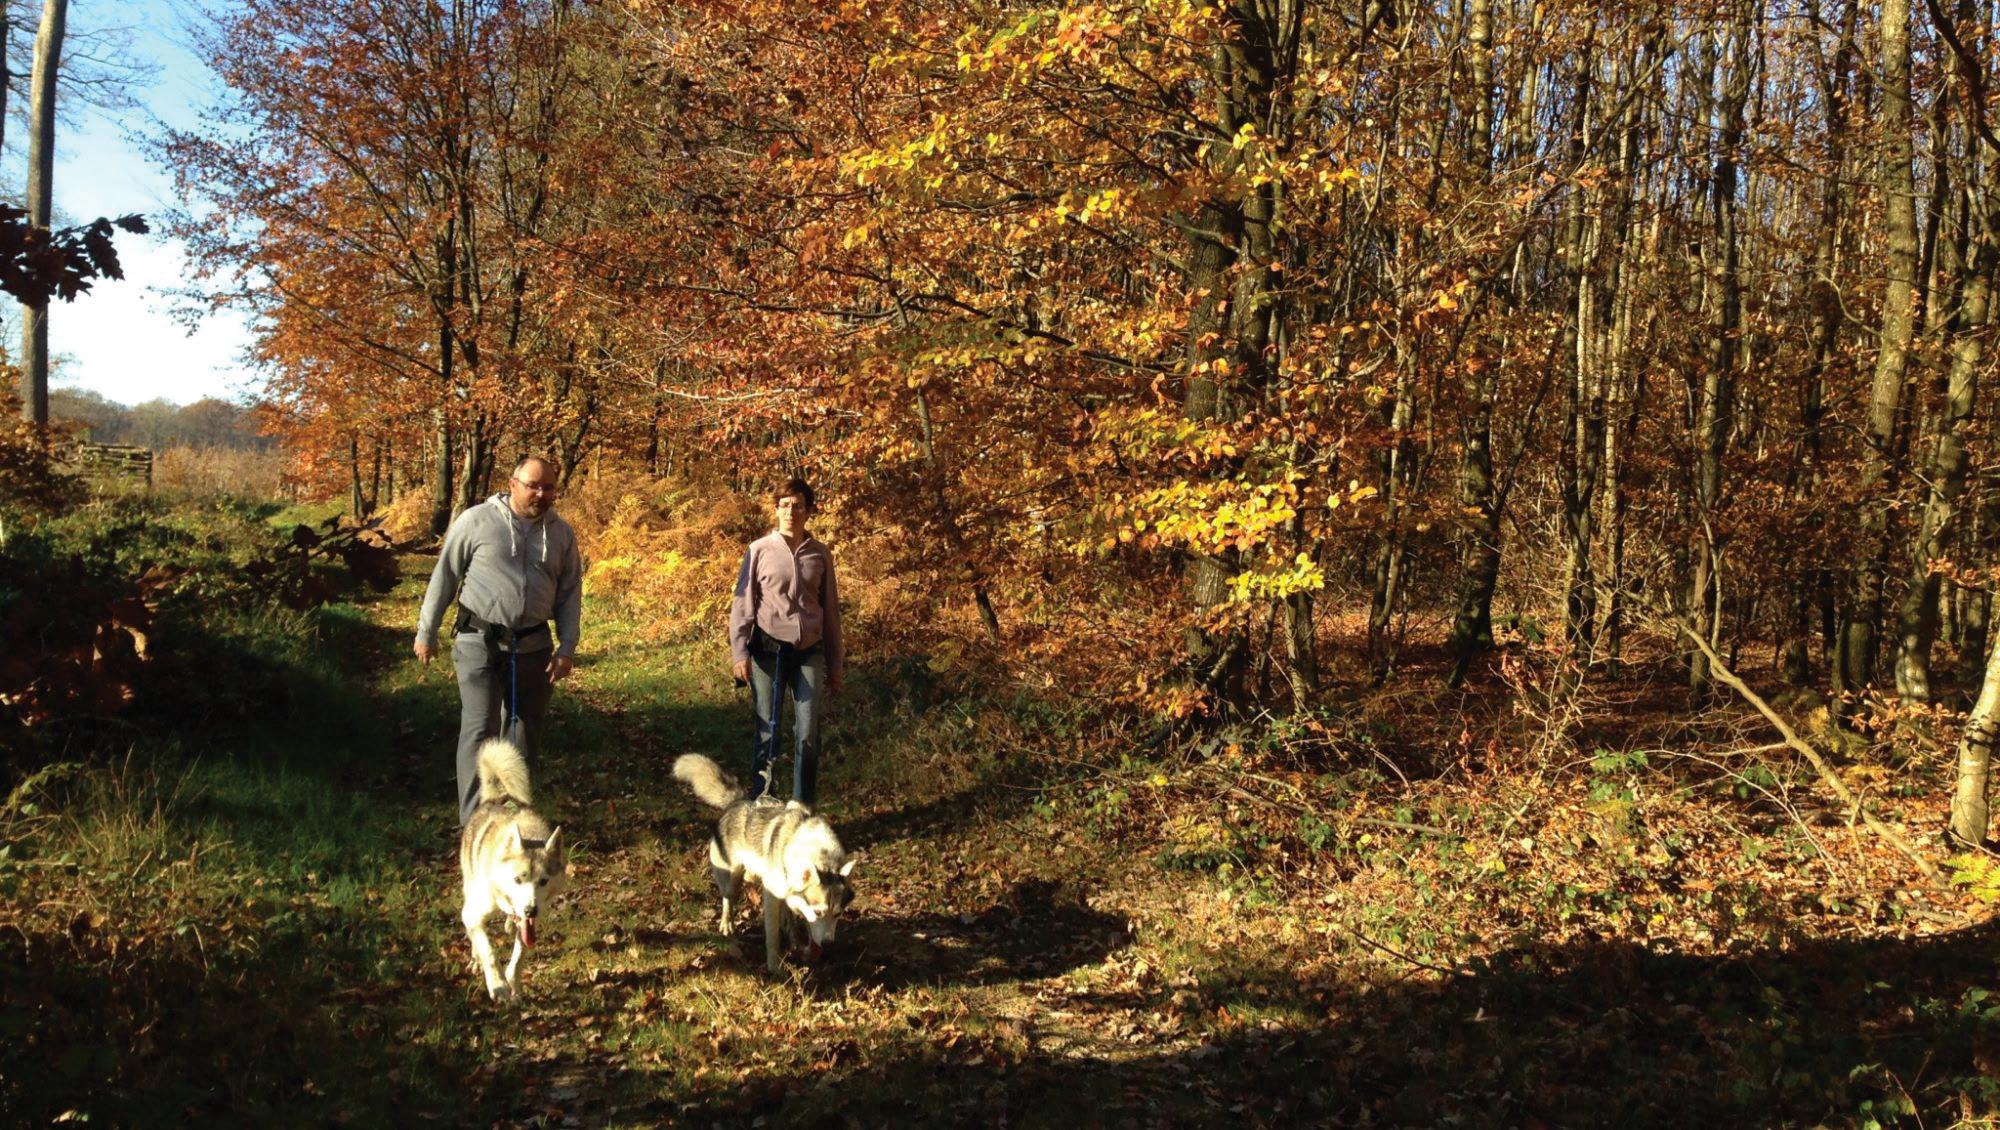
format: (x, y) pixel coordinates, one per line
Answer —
(509, 570)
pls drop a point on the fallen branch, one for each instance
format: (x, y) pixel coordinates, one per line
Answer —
(1336, 819)
(1804, 749)
(1399, 954)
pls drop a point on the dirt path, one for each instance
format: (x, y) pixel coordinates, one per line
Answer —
(974, 943)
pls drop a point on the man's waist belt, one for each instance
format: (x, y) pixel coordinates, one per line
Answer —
(499, 635)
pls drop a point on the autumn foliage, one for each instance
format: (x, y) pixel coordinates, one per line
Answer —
(1195, 354)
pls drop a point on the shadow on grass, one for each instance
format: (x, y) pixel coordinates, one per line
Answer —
(1038, 929)
(1604, 1035)
(306, 1026)
(1595, 1036)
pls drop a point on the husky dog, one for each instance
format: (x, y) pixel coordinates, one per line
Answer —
(511, 861)
(793, 855)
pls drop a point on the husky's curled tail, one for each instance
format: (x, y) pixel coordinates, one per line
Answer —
(503, 773)
(711, 785)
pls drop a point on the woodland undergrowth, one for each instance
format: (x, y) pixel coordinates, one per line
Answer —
(1527, 900)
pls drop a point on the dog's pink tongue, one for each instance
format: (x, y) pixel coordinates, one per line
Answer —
(527, 932)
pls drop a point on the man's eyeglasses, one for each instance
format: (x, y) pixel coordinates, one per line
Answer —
(538, 488)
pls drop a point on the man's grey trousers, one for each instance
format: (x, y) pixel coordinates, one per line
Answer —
(486, 688)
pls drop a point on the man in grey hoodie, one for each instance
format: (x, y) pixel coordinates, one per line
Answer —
(513, 566)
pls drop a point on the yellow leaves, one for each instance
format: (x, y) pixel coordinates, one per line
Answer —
(1355, 493)
(1289, 579)
(889, 164)
(1149, 433)
(1325, 180)
(1205, 517)
(1105, 203)
(1445, 299)
(1075, 32)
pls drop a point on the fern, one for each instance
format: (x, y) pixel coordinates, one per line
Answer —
(1979, 874)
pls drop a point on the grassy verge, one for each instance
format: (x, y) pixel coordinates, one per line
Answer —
(240, 905)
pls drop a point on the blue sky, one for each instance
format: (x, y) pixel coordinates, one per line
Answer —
(121, 339)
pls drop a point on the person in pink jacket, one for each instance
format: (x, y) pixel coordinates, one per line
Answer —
(784, 634)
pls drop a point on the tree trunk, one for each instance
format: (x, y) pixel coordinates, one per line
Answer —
(1216, 658)
(1975, 748)
(7, 61)
(1472, 624)
(1392, 559)
(441, 502)
(354, 499)
(478, 450)
(41, 177)
(1811, 582)
(1621, 409)
(1715, 415)
(1977, 621)
(1918, 615)
(1301, 662)
(1583, 436)
(6, 80)
(1974, 626)
(1855, 651)
(1623, 399)
(1230, 324)
(948, 519)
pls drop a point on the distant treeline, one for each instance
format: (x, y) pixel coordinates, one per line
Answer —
(159, 423)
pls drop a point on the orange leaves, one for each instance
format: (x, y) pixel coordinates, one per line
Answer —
(1443, 300)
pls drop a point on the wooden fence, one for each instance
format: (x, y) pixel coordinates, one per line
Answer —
(109, 463)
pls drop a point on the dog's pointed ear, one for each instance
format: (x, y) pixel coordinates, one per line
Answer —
(553, 845)
(514, 844)
(848, 866)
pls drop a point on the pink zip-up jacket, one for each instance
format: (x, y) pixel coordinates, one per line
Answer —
(789, 593)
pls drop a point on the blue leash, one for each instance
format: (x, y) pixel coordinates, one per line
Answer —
(511, 729)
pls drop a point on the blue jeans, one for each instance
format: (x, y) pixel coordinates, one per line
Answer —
(771, 674)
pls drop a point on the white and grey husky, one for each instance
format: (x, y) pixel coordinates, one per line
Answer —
(792, 853)
(511, 860)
